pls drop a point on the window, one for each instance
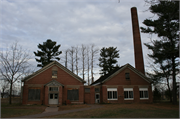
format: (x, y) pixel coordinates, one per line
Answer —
(51, 96)
(87, 90)
(54, 74)
(73, 94)
(55, 96)
(53, 88)
(34, 94)
(127, 76)
(97, 90)
(143, 92)
(128, 94)
(112, 93)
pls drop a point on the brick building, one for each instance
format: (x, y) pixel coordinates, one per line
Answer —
(123, 85)
(55, 84)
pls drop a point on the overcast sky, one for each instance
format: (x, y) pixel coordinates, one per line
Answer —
(104, 23)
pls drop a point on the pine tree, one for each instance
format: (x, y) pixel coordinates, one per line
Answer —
(165, 51)
(49, 53)
(108, 59)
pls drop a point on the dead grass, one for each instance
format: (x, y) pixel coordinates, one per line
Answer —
(156, 110)
(70, 107)
(17, 109)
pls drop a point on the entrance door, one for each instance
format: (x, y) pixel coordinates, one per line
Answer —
(53, 98)
(97, 98)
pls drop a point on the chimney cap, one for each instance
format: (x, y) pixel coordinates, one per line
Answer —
(133, 8)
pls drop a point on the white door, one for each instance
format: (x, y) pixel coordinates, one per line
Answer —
(53, 98)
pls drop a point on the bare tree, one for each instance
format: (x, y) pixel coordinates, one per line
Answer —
(14, 64)
(88, 64)
(87, 55)
(94, 52)
(66, 57)
(77, 59)
(83, 57)
(71, 54)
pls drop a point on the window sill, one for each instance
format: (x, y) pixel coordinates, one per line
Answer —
(129, 99)
(144, 98)
(112, 99)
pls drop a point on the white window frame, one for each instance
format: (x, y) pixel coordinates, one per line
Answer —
(143, 89)
(129, 89)
(112, 89)
(53, 89)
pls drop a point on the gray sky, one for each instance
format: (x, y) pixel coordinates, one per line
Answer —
(104, 23)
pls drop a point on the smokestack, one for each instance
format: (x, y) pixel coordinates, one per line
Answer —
(139, 63)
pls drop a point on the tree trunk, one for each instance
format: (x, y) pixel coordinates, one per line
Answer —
(10, 93)
(170, 95)
(66, 53)
(174, 83)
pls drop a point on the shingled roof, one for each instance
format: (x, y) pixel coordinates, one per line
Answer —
(108, 76)
(50, 65)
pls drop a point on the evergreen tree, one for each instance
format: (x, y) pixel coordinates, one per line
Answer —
(108, 59)
(165, 51)
(49, 52)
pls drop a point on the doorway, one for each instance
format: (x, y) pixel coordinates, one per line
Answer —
(97, 98)
(53, 98)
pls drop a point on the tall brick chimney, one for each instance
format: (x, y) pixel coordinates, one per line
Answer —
(139, 63)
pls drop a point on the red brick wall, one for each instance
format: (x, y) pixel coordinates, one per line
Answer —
(120, 83)
(44, 78)
(90, 97)
(68, 81)
(119, 79)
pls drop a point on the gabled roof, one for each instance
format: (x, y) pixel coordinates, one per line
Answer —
(107, 77)
(50, 65)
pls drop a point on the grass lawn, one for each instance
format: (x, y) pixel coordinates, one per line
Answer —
(156, 110)
(70, 107)
(16, 110)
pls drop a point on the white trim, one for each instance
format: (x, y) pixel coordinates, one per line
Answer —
(111, 89)
(128, 98)
(128, 89)
(113, 99)
(143, 89)
(143, 98)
